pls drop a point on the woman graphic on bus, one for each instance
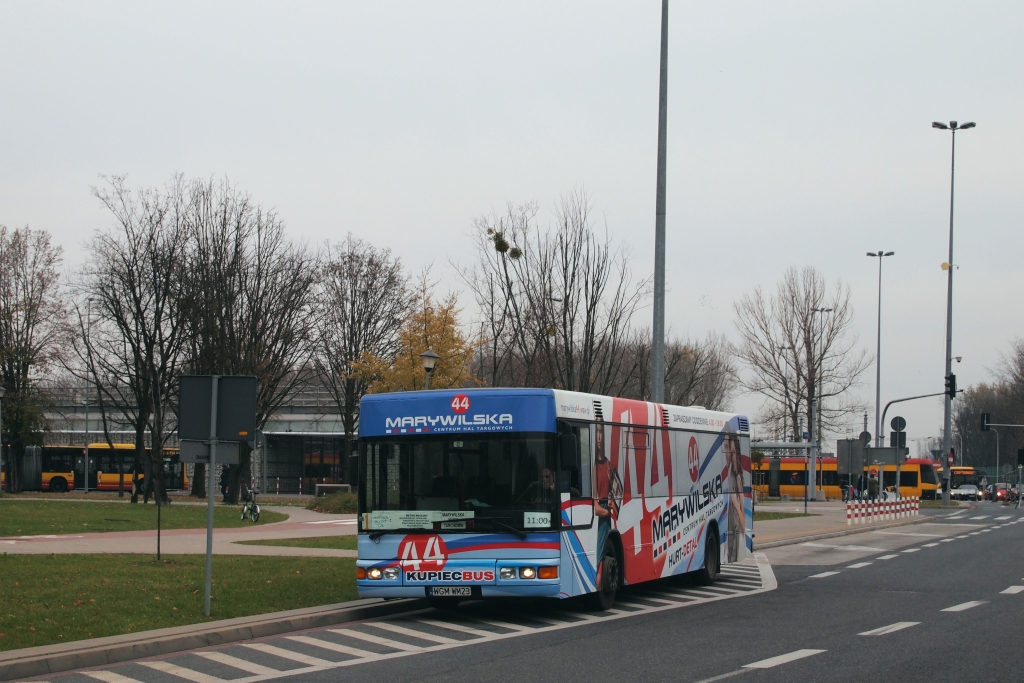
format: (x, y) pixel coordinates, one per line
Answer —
(734, 491)
(607, 489)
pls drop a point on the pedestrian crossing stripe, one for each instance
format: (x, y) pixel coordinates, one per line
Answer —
(393, 634)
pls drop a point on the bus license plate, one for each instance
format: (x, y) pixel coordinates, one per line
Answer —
(451, 592)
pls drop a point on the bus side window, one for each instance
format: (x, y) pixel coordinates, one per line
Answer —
(585, 484)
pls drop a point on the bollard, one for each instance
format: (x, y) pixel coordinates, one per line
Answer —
(849, 518)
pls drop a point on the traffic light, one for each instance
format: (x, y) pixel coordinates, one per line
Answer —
(985, 419)
(951, 385)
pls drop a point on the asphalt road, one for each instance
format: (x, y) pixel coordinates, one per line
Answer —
(940, 601)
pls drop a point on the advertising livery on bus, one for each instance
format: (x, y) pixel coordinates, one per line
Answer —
(481, 493)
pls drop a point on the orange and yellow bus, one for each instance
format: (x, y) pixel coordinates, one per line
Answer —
(786, 476)
(62, 468)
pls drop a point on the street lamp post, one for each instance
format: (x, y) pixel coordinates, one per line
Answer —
(947, 422)
(2, 392)
(88, 339)
(816, 403)
(878, 352)
(785, 359)
(429, 359)
(658, 327)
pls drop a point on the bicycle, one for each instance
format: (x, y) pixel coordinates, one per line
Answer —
(251, 509)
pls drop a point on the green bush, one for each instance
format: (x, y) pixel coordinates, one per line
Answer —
(339, 503)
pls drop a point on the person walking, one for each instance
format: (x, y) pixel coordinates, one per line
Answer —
(872, 489)
(224, 484)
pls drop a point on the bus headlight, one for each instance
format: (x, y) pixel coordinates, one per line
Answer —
(527, 573)
(507, 573)
(391, 573)
(374, 573)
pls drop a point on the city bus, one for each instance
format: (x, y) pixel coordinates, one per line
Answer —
(786, 476)
(481, 493)
(59, 468)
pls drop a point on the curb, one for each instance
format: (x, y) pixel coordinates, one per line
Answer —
(51, 659)
(845, 532)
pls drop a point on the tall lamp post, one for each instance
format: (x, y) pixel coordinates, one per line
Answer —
(947, 422)
(429, 359)
(878, 352)
(816, 403)
(88, 339)
(658, 327)
(2, 392)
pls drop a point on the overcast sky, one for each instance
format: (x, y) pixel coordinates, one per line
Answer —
(799, 134)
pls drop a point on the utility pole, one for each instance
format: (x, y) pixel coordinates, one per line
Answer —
(658, 328)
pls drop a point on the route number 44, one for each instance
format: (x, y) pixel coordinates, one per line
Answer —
(460, 403)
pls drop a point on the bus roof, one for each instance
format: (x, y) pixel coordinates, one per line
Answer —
(491, 410)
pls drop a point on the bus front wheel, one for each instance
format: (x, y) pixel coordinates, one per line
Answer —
(706, 576)
(607, 580)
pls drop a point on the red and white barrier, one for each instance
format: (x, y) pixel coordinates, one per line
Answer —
(849, 518)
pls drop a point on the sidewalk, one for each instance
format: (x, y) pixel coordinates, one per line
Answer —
(301, 523)
(825, 520)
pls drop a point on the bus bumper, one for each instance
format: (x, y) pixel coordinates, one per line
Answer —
(487, 575)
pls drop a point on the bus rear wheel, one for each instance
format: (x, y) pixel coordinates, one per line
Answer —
(58, 485)
(709, 572)
(607, 580)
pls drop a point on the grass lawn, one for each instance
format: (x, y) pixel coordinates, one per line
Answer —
(46, 599)
(38, 517)
(332, 542)
(760, 516)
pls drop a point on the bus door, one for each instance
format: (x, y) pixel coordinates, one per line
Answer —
(774, 474)
(80, 470)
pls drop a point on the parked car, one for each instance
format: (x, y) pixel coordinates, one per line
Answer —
(965, 492)
(1001, 492)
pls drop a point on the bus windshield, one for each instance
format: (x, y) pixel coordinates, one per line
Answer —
(501, 482)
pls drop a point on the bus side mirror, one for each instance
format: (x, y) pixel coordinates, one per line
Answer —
(568, 452)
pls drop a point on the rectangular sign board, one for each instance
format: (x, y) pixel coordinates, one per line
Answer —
(885, 456)
(199, 452)
(850, 456)
(236, 408)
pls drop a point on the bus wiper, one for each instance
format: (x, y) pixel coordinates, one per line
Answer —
(375, 535)
(518, 532)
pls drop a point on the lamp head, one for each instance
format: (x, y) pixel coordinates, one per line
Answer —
(945, 266)
(958, 358)
(429, 359)
(872, 254)
(969, 124)
(941, 126)
(889, 253)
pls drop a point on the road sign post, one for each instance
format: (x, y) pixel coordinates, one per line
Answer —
(214, 410)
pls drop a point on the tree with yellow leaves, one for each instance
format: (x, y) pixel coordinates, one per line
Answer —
(429, 325)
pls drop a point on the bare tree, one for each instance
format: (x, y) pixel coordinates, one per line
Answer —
(134, 278)
(363, 299)
(249, 307)
(32, 336)
(558, 304)
(1003, 399)
(697, 372)
(793, 352)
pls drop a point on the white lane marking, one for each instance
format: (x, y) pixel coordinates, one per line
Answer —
(947, 540)
(110, 677)
(264, 673)
(387, 642)
(985, 531)
(1013, 590)
(334, 647)
(480, 633)
(182, 672)
(964, 536)
(964, 605)
(929, 545)
(288, 654)
(910, 550)
(981, 517)
(904, 533)
(999, 519)
(859, 565)
(891, 628)
(886, 557)
(822, 575)
(782, 659)
(974, 533)
(239, 663)
(843, 547)
(957, 517)
(422, 635)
